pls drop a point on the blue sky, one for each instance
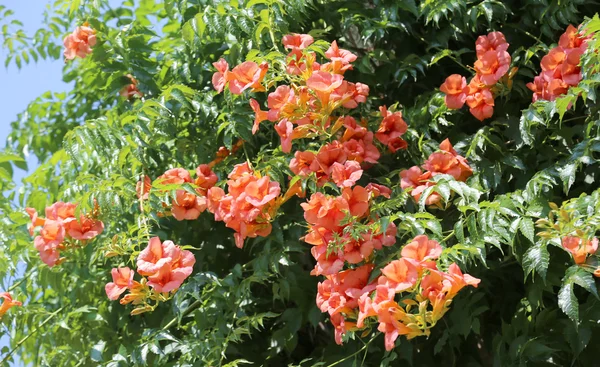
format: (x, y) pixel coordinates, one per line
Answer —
(19, 87)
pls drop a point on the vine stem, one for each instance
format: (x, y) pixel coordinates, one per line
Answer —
(27, 275)
(5, 359)
(353, 354)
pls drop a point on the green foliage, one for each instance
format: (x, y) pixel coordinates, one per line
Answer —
(536, 168)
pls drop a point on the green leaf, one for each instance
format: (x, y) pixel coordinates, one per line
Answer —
(527, 228)
(582, 278)
(568, 302)
(536, 258)
(567, 175)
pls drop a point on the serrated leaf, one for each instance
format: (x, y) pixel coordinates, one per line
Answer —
(582, 278)
(527, 228)
(568, 302)
(567, 175)
(536, 258)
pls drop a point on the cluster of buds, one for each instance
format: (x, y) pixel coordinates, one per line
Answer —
(560, 67)
(163, 267)
(61, 230)
(493, 62)
(445, 161)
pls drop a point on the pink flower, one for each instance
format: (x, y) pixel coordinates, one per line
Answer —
(260, 116)
(165, 264)
(421, 249)
(391, 129)
(206, 178)
(51, 235)
(175, 176)
(578, 249)
(284, 129)
(399, 275)
(219, 78)
(247, 75)
(378, 190)
(80, 42)
(142, 188)
(480, 100)
(122, 279)
(324, 83)
(357, 199)
(335, 53)
(262, 191)
(187, 206)
(494, 41)
(60, 211)
(492, 66)
(84, 229)
(35, 220)
(346, 175)
(282, 96)
(297, 41)
(455, 88)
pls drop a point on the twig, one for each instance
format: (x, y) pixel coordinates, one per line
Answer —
(5, 359)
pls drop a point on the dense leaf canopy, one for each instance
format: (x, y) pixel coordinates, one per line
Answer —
(535, 177)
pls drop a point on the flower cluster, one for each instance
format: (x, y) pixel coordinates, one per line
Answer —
(342, 230)
(249, 205)
(185, 205)
(425, 291)
(61, 229)
(560, 67)
(493, 62)
(7, 303)
(131, 90)
(331, 222)
(445, 161)
(80, 42)
(163, 267)
(579, 248)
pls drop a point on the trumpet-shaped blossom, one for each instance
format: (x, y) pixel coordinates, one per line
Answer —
(175, 176)
(580, 249)
(296, 41)
(165, 264)
(391, 129)
(85, 228)
(187, 206)
(421, 249)
(455, 88)
(480, 100)
(7, 303)
(80, 42)
(346, 175)
(122, 279)
(219, 79)
(247, 75)
(205, 179)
